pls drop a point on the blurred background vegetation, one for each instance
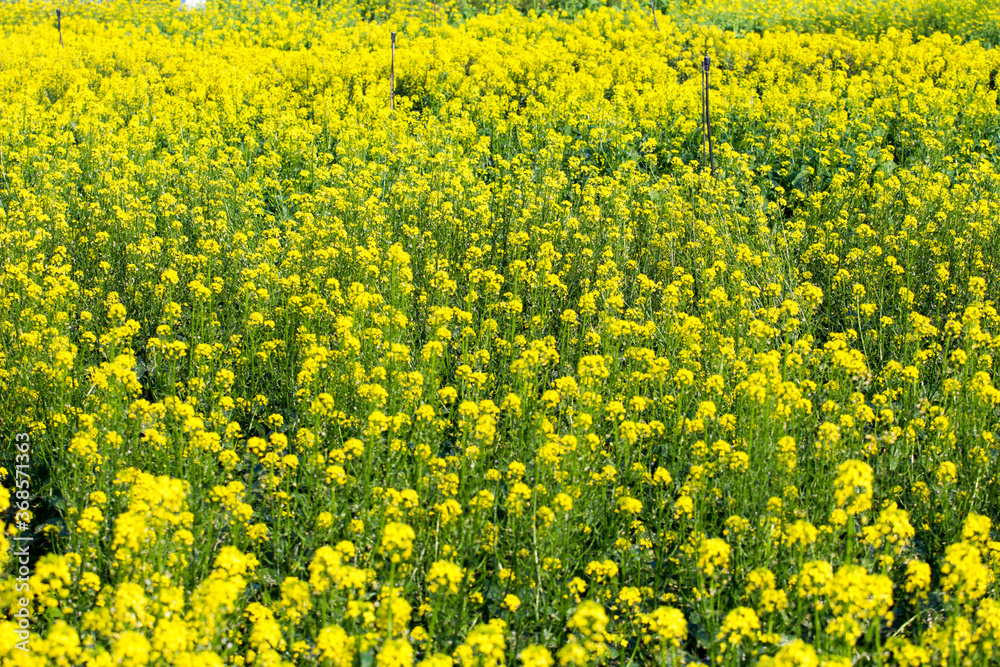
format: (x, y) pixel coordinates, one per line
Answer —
(966, 19)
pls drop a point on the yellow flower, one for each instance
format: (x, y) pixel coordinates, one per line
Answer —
(741, 626)
(762, 582)
(629, 505)
(907, 654)
(947, 473)
(574, 654)
(90, 521)
(172, 636)
(602, 570)
(713, 556)
(963, 573)
(397, 541)
(511, 602)
(258, 532)
(857, 598)
(796, 653)
(63, 644)
(536, 656)
(131, 649)
(295, 600)
(853, 487)
(976, 529)
(891, 528)
(815, 578)
(589, 619)
(449, 510)
(800, 532)
(334, 644)
(485, 645)
(668, 624)
(918, 578)
(394, 612)
(395, 653)
(684, 507)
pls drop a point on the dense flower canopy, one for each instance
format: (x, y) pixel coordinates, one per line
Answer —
(502, 375)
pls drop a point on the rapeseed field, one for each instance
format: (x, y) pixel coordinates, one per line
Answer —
(502, 374)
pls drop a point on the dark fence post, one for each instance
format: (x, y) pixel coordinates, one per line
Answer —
(706, 117)
(392, 75)
(59, 25)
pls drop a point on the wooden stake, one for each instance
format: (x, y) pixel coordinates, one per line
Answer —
(59, 25)
(705, 116)
(652, 6)
(392, 76)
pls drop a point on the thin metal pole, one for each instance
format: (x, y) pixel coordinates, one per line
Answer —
(392, 76)
(59, 25)
(708, 118)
